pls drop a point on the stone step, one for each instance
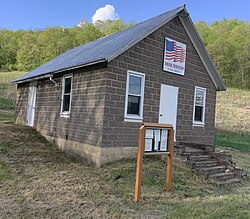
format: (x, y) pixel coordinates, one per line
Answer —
(200, 158)
(228, 181)
(194, 151)
(213, 170)
(204, 164)
(179, 149)
(222, 176)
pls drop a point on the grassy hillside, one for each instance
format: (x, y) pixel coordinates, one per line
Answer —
(233, 119)
(8, 91)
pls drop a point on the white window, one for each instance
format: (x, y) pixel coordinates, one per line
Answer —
(134, 97)
(66, 96)
(199, 106)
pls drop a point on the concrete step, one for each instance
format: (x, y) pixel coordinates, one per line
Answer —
(213, 170)
(228, 181)
(204, 164)
(193, 158)
(194, 151)
(179, 149)
(222, 176)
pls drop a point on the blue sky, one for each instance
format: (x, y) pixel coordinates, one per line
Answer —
(26, 14)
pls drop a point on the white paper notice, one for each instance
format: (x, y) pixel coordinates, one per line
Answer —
(157, 139)
(149, 133)
(163, 145)
(148, 145)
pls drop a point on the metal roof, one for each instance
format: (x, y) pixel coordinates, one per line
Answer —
(107, 48)
(102, 49)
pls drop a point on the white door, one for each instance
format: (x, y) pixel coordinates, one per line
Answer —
(31, 105)
(168, 105)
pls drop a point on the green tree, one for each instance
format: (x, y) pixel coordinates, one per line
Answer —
(54, 41)
(109, 26)
(28, 55)
(228, 42)
(8, 49)
(85, 34)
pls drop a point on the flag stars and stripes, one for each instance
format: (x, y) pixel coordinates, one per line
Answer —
(174, 52)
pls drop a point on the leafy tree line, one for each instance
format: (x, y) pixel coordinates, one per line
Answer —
(26, 49)
(228, 43)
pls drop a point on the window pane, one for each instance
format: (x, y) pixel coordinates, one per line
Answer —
(198, 113)
(67, 86)
(66, 102)
(133, 105)
(199, 97)
(134, 85)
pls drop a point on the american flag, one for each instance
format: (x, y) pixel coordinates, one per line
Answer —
(174, 52)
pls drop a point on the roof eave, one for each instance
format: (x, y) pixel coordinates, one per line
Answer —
(49, 74)
(31, 79)
(203, 53)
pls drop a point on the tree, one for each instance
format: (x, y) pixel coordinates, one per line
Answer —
(28, 55)
(8, 49)
(54, 41)
(228, 42)
(85, 34)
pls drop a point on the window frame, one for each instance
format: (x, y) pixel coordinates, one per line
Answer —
(66, 113)
(199, 123)
(133, 117)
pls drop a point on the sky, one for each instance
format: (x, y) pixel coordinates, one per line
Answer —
(36, 14)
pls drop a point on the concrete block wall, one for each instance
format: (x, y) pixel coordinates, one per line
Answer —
(147, 57)
(86, 118)
(84, 126)
(22, 103)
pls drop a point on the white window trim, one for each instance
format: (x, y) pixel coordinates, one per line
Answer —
(130, 117)
(197, 123)
(66, 114)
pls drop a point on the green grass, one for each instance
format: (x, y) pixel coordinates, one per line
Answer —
(233, 119)
(7, 116)
(236, 140)
(4, 171)
(36, 175)
(7, 103)
(8, 91)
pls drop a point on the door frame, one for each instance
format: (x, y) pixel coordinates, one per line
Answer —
(174, 103)
(31, 104)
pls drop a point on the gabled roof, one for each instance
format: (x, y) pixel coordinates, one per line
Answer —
(107, 48)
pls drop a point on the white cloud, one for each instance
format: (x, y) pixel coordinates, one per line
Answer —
(105, 13)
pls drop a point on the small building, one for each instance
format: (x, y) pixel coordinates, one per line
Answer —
(92, 99)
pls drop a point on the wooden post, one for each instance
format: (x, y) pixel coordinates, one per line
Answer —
(141, 152)
(170, 161)
(141, 145)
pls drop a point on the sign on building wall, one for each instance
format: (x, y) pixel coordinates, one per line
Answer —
(174, 56)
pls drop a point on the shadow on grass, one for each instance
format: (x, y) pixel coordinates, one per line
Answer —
(237, 140)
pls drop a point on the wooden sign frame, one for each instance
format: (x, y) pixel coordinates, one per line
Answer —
(141, 153)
